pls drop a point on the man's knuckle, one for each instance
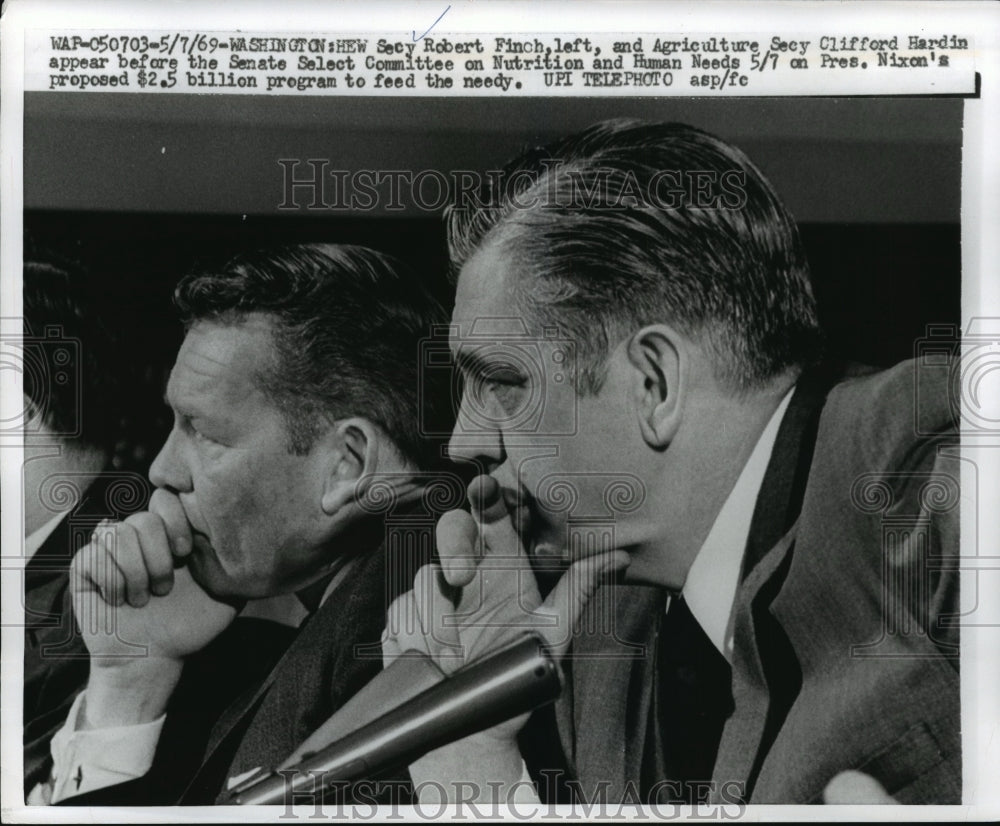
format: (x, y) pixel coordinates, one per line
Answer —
(123, 533)
(144, 523)
(396, 607)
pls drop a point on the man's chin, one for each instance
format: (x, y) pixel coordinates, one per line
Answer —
(206, 571)
(560, 549)
(545, 546)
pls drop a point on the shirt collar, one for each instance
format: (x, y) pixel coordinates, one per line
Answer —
(710, 587)
(37, 537)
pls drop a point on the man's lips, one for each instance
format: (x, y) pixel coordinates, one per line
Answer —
(548, 559)
(528, 526)
(520, 513)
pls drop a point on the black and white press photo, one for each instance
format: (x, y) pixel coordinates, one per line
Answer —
(472, 418)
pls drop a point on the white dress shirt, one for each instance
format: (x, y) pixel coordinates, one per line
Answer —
(84, 761)
(714, 576)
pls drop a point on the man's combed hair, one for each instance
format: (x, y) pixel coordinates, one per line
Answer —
(630, 223)
(347, 326)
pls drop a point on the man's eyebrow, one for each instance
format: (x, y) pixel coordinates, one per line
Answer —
(179, 407)
(469, 362)
(472, 363)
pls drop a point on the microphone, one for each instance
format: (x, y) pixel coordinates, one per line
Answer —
(513, 681)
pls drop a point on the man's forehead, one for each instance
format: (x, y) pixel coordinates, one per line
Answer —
(223, 359)
(485, 304)
(480, 328)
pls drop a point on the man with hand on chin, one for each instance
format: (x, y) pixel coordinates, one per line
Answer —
(294, 391)
(634, 309)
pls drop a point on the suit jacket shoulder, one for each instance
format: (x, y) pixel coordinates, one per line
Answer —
(847, 649)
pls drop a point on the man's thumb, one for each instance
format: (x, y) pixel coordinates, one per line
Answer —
(572, 593)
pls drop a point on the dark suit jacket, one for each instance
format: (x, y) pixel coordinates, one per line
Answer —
(56, 662)
(846, 635)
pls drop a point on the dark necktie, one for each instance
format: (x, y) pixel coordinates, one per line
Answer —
(691, 701)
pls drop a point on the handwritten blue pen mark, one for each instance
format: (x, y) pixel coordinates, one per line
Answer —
(413, 33)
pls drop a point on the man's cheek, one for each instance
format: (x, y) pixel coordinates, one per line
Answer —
(217, 501)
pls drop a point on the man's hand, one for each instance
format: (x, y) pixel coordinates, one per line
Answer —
(855, 788)
(482, 596)
(138, 615)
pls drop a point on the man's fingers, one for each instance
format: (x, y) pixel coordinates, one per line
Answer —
(852, 788)
(168, 507)
(127, 555)
(435, 614)
(103, 570)
(94, 568)
(571, 594)
(127, 561)
(485, 499)
(417, 620)
(155, 547)
(457, 545)
(496, 528)
(393, 640)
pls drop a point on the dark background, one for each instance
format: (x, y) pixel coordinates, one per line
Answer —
(144, 188)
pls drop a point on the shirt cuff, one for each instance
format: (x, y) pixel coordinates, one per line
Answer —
(84, 761)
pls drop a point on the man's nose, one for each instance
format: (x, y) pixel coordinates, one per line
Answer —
(169, 470)
(484, 449)
(475, 440)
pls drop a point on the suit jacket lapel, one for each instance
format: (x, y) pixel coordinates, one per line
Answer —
(345, 616)
(761, 694)
(766, 677)
(232, 726)
(780, 500)
(223, 744)
(604, 716)
(44, 576)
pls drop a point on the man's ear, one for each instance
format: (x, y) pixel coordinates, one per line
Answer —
(659, 358)
(354, 446)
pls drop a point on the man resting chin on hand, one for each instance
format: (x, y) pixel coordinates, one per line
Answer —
(295, 391)
(681, 417)
(140, 618)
